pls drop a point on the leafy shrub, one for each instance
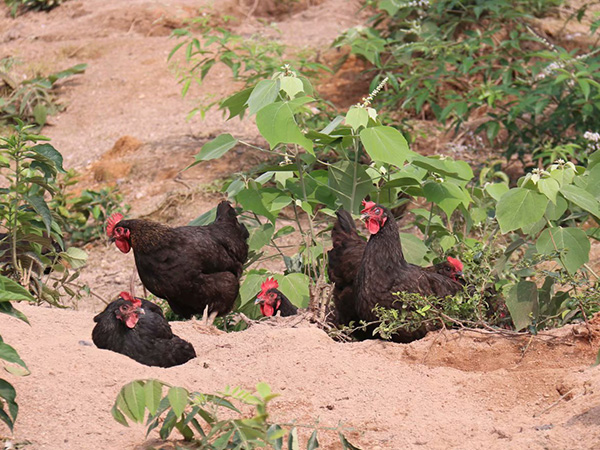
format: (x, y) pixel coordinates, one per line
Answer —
(249, 59)
(11, 291)
(33, 245)
(456, 60)
(84, 215)
(31, 100)
(521, 236)
(199, 417)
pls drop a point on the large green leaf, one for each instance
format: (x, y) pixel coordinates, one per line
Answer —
(215, 148)
(12, 291)
(522, 303)
(520, 207)
(448, 167)
(277, 124)
(252, 200)
(496, 190)
(251, 286)
(178, 398)
(9, 354)
(236, 104)
(549, 187)
(386, 144)
(350, 183)
(446, 195)
(572, 241)
(413, 248)
(295, 287)
(292, 86)
(51, 153)
(262, 95)
(357, 117)
(39, 205)
(7, 308)
(581, 198)
(8, 393)
(134, 397)
(260, 236)
(204, 219)
(153, 394)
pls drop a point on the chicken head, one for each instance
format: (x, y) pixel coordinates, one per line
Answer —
(268, 298)
(119, 234)
(129, 312)
(373, 215)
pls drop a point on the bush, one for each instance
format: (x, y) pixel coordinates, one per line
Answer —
(454, 61)
(199, 417)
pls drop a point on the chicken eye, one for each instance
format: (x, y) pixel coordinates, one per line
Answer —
(377, 211)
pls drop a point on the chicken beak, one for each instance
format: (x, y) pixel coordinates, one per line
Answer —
(364, 216)
(258, 300)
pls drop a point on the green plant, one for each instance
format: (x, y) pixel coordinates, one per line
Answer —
(452, 60)
(11, 291)
(206, 419)
(25, 5)
(32, 249)
(84, 215)
(249, 59)
(529, 237)
(33, 99)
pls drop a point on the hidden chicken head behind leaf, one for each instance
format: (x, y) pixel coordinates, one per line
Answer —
(374, 216)
(268, 297)
(129, 312)
(119, 234)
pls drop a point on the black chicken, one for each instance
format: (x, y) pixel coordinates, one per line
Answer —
(384, 271)
(137, 328)
(344, 261)
(272, 300)
(196, 269)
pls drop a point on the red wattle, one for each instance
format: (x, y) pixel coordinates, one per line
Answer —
(123, 245)
(372, 226)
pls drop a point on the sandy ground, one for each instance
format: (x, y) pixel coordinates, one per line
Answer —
(449, 391)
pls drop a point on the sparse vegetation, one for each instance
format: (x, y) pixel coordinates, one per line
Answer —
(205, 420)
(30, 100)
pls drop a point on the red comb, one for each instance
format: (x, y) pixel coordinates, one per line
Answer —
(269, 283)
(456, 263)
(130, 298)
(367, 205)
(111, 222)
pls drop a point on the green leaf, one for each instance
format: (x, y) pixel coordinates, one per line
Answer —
(12, 291)
(413, 248)
(133, 395)
(252, 200)
(446, 195)
(277, 124)
(520, 207)
(77, 258)
(350, 184)
(522, 303)
(40, 113)
(8, 393)
(293, 443)
(572, 241)
(581, 198)
(178, 398)
(496, 190)
(9, 354)
(236, 104)
(295, 287)
(51, 153)
(555, 212)
(386, 144)
(262, 95)
(204, 219)
(118, 416)
(357, 117)
(549, 187)
(346, 445)
(260, 236)
(251, 286)
(263, 389)
(215, 148)
(292, 86)
(39, 205)
(313, 441)
(153, 394)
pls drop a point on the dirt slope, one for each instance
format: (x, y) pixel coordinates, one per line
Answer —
(449, 391)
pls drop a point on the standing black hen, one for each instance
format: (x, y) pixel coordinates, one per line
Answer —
(272, 300)
(344, 261)
(137, 328)
(194, 268)
(384, 271)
